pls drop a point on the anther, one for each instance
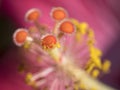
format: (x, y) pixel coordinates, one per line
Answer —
(106, 66)
(95, 73)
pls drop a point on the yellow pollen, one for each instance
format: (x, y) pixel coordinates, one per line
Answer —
(90, 68)
(106, 66)
(78, 36)
(83, 28)
(95, 73)
(58, 45)
(91, 42)
(26, 45)
(28, 78)
(75, 22)
(82, 86)
(90, 33)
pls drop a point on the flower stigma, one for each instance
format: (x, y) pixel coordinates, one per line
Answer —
(48, 41)
(58, 13)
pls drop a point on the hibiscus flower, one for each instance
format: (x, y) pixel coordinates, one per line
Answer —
(63, 56)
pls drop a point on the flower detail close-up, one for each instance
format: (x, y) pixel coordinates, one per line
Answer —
(65, 54)
(58, 45)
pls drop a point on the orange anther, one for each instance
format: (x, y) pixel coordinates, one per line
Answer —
(49, 41)
(58, 13)
(67, 27)
(20, 36)
(32, 15)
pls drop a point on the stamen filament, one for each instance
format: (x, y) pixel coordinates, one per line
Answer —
(41, 28)
(42, 74)
(39, 83)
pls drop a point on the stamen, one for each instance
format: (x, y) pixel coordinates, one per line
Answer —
(82, 28)
(90, 33)
(90, 68)
(95, 73)
(95, 56)
(33, 80)
(28, 79)
(42, 74)
(106, 66)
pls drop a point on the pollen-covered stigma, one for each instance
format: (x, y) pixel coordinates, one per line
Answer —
(70, 46)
